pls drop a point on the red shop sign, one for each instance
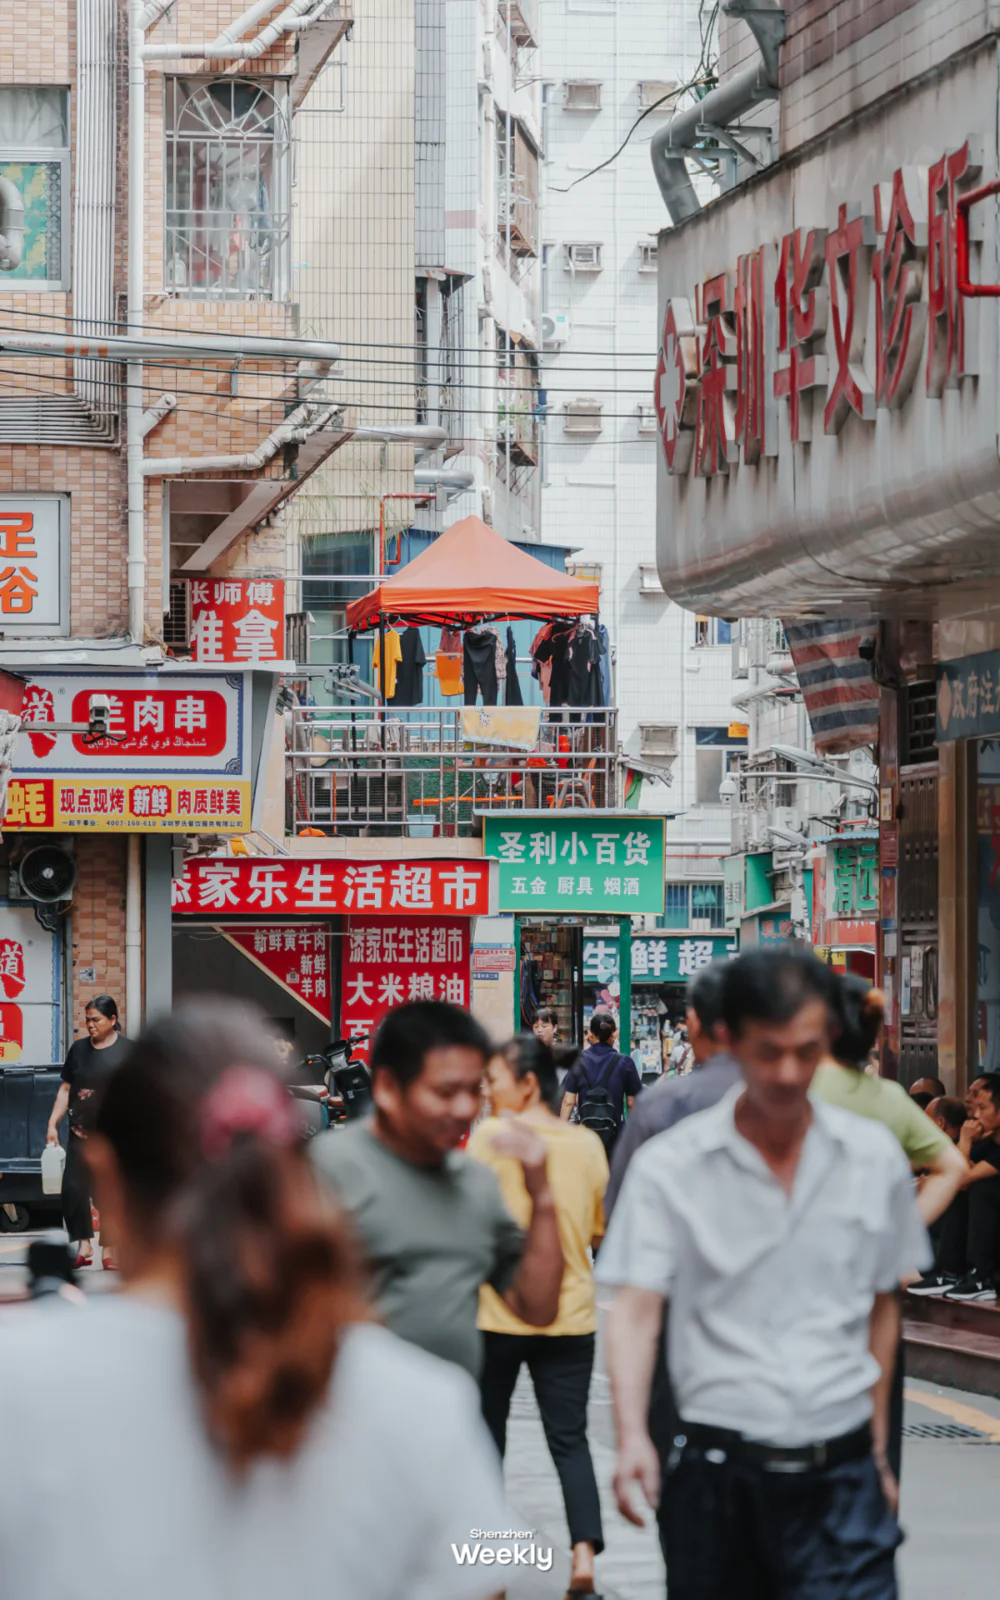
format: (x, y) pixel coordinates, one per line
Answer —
(297, 958)
(238, 619)
(290, 887)
(386, 964)
(161, 722)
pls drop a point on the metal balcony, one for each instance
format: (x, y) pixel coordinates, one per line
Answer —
(415, 773)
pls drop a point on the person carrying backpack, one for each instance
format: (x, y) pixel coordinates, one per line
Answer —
(597, 1090)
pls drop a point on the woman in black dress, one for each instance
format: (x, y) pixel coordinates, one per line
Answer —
(89, 1062)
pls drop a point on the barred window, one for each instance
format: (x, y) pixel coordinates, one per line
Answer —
(34, 157)
(227, 189)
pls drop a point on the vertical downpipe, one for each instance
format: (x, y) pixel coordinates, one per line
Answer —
(94, 182)
(133, 935)
(136, 272)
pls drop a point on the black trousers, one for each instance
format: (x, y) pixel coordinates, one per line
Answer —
(560, 1368)
(735, 1532)
(77, 1217)
(479, 668)
(968, 1234)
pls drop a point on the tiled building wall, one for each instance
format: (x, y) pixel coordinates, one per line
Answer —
(98, 925)
(600, 497)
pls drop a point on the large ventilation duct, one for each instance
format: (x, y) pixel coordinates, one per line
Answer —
(686, 131)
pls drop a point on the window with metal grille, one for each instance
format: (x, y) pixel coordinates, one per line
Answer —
(579, 95)
(583, 418)
(677, 906)
(919, 724)
(582, 257)
(176, 621)
(707, 907)
(647, 256)
(227, 188)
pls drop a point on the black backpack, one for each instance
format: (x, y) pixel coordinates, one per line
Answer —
(596, 1109)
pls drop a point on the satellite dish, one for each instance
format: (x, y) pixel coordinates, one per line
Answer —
(47, 874)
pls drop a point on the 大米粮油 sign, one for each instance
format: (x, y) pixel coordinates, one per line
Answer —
(611, 865)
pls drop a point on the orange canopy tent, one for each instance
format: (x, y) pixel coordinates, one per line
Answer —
(469, 574)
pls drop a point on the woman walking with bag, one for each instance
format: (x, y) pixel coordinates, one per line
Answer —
(559, 1358)
(89, 1062)
(602, 1084)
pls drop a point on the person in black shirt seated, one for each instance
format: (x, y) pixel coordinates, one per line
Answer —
(968, 1250)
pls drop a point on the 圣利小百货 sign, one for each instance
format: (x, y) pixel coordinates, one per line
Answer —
(590, 865)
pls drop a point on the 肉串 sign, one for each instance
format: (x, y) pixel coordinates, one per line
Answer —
(238, 619)
(602, 864)
(667, 958)
(288, 887)
(34, 564)
(386, 964)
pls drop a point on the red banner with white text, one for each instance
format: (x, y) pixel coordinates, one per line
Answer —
(386, 964)
(288, 887)
(297, 958)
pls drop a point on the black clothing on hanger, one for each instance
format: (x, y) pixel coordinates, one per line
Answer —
(512, 688)
(410, 672)
(479, 666)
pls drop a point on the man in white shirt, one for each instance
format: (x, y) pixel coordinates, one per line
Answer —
(778, 1229)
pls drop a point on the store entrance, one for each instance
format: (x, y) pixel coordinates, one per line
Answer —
(551, 965)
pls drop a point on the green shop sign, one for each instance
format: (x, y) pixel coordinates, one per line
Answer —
(666, 958)
(601, 865)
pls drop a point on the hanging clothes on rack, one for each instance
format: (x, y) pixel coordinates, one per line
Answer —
(479, 665)
(512, 686)
(605, 649)
(541, 661)
(410, 676)
(393, 656)
(554, 649)
(448, 662)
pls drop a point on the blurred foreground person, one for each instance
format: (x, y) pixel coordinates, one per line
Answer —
(559, 1358)
(242, 1430)
(778, 1229)
(432, 1221)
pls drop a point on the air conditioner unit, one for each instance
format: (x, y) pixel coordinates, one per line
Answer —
(658, 740)
(582, 257)
(556, 327)
(582, 418)
(654, 92)
(649, 581)
(581, 95)
(45, 874)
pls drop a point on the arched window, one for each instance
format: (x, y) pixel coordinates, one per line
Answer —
(227, 189)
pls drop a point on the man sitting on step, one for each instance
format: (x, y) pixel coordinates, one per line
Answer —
(968, 1246)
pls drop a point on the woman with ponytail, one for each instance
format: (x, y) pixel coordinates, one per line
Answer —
(243, 1428)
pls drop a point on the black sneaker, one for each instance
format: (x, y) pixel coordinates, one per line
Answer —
(972, 1287)
(933, 1283)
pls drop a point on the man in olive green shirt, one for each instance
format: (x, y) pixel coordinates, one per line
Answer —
(432, 1222)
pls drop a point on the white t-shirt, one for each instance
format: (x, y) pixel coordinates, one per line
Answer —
(112, 1489)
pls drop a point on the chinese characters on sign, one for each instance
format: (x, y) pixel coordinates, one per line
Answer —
(853, 885)
(297, 958)
(672, 958)
(238, 619)
(609, 865)
(718, 379)
(968, 697)
(33, 557)
(386, 964)
(290, 887)
(169, 805)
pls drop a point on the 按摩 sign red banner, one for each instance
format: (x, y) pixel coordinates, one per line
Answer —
(386, 963)
(291, 887)
(238, 619)
(297, 958)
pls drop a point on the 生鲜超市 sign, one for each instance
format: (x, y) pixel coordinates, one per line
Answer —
(610, 865)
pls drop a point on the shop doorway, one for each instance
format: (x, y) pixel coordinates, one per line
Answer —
(551, 967)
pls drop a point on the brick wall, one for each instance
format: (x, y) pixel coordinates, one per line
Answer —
(817, 30)
(98, 929)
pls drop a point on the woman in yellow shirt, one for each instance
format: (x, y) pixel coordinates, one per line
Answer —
(560, 1358)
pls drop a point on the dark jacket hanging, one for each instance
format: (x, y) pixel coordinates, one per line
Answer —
(410, 672)
(512, 688)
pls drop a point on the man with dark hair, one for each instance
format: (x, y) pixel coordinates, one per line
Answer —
(672, 1099)
(948, 1115)
(432, 1221)
(778, 1228)
(924, 1090)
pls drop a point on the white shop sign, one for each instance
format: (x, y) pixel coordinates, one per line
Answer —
(34, 565)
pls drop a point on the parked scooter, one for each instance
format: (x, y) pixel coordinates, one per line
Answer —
(340, 1090)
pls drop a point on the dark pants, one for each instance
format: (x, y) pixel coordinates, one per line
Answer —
(735, 1532)
(479, 668)
(968, 1235)
(560, 1368)
(76, 1211)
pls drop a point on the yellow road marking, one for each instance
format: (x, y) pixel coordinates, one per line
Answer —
(967, 1416)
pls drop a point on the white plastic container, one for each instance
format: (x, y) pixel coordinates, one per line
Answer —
(53, 1166)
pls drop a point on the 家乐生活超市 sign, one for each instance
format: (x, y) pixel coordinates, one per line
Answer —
(605, 865)
(290, 887)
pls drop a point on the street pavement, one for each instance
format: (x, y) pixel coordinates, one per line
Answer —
(951, 1485)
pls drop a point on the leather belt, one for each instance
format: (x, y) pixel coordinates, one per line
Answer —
(773, 1457)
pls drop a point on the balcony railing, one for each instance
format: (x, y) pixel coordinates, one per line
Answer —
(418, 773)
